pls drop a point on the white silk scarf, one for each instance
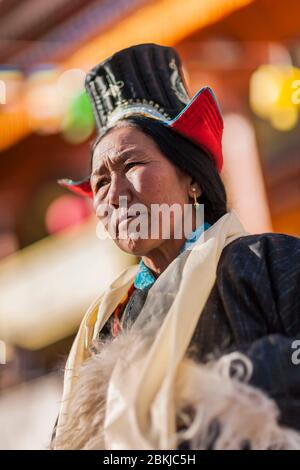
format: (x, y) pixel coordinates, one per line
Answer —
(140, 409)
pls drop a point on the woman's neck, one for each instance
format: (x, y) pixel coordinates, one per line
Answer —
(159, 259)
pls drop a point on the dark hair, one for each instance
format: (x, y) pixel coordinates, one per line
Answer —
(189, 158)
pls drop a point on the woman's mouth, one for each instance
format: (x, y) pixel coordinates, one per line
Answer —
(124, 224)
(124, 220)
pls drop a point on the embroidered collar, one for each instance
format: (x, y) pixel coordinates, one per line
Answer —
(145, 278)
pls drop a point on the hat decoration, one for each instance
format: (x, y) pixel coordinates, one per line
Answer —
(147, 80)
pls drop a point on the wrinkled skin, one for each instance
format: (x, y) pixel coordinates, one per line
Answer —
(127, 162)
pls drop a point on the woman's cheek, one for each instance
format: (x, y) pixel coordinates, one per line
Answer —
(149, 185)
(102, 210)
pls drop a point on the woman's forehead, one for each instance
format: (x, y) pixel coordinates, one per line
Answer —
(120, 142)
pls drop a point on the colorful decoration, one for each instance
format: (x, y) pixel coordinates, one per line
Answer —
(78, 124)
(275, 95)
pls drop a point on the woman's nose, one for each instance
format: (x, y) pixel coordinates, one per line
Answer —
(118, 189)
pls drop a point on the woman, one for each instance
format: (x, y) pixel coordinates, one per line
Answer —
(194, 347)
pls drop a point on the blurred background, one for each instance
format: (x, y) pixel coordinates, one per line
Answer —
(52, 265)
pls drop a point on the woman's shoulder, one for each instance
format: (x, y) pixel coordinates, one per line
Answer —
(261, 273)
(263, 244)
(257, 257)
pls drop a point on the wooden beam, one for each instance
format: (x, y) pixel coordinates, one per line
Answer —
(165, 22)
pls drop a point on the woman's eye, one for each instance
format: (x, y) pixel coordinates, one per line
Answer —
(100, 184)
(131, 165)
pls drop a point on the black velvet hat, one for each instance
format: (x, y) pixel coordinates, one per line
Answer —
(147, 80)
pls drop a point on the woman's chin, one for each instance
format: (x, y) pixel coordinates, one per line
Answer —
(138, 246)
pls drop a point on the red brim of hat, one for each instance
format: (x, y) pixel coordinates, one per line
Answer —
(81, 188)
(200, 121)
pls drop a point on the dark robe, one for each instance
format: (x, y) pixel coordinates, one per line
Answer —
(253, 308)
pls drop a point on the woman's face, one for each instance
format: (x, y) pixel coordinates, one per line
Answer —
(127, 164)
